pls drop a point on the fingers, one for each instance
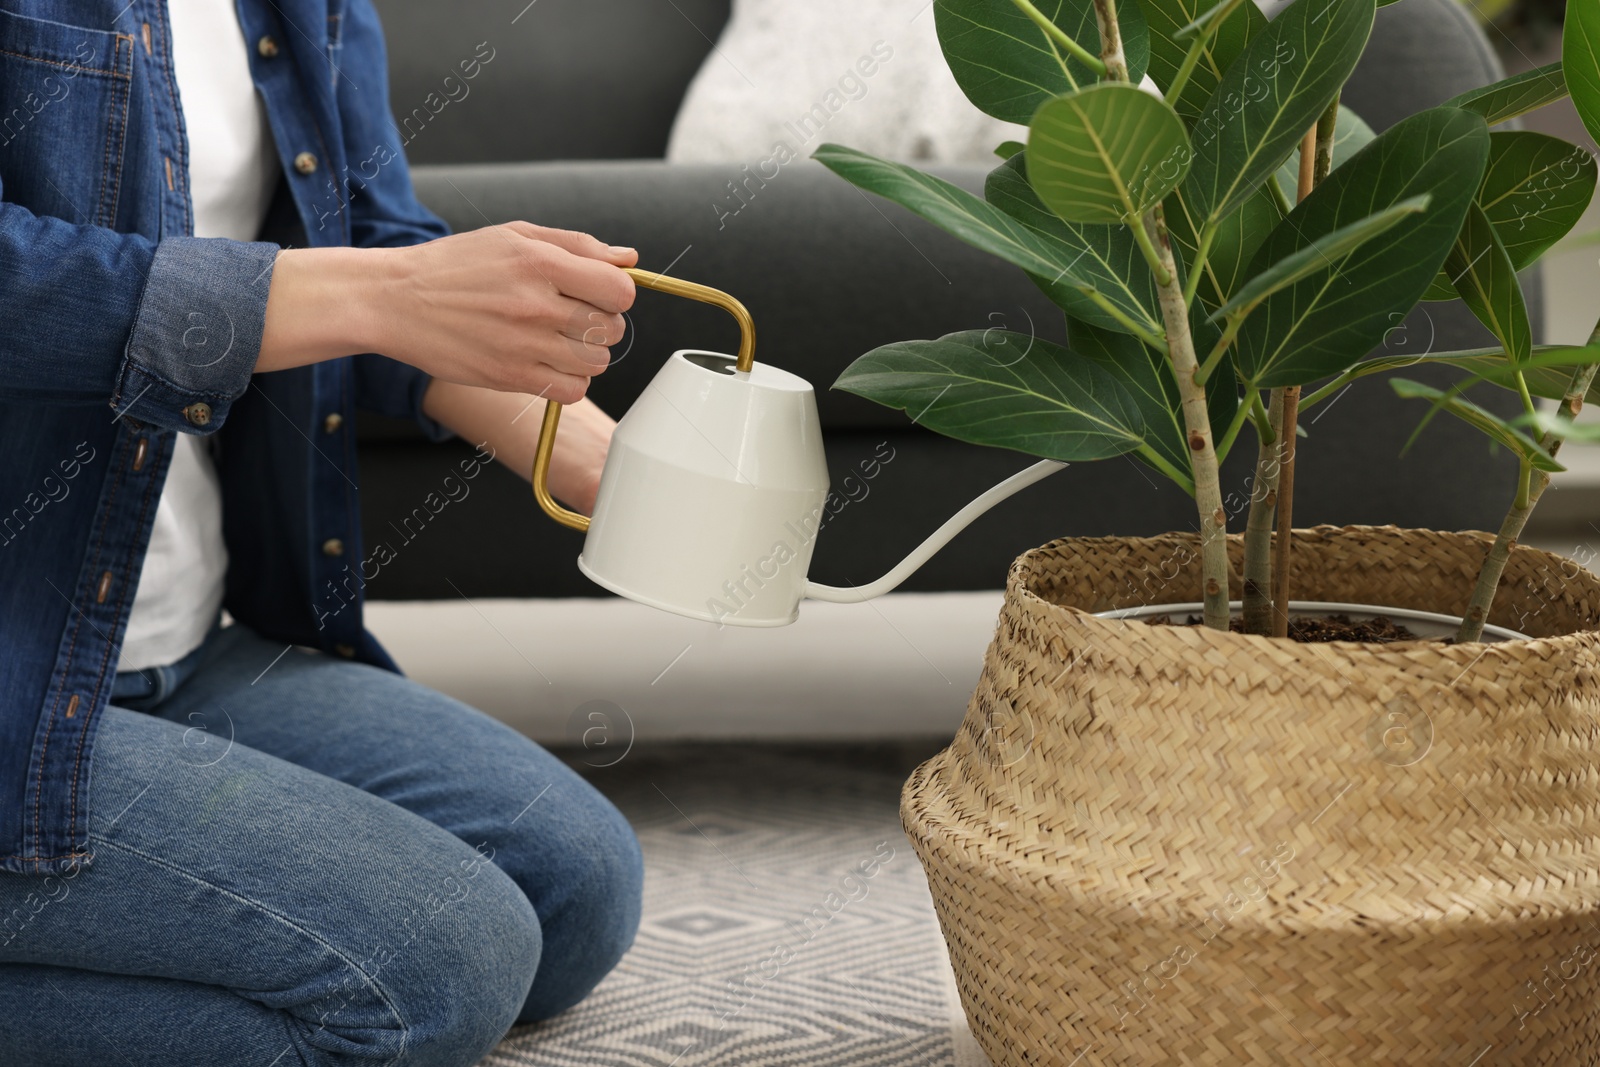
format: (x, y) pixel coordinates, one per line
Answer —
(591, 281)
(532, 309)
(569, 338)
(553, 385)
(578, 265)
(579, 277)
(591, 326)
(579, 244)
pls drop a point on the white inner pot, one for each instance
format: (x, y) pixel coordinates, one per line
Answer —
(1427, 625)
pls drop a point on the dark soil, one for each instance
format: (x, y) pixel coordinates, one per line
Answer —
(1379, 631)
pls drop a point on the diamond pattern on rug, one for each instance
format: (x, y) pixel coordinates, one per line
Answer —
(786, 922)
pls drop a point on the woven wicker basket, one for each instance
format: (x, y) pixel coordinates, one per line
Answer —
(1169, 845)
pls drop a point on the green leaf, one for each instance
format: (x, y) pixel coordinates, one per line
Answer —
(1107, 282)
(1482, 273)
(1580, 61)
(1105, 153)
(955, 211)
(1271, 95)
(1534, 191)
(1169, 45)
(1007, 149)
(1350, 135)
(1498, 429)
(1548, 371)
(1329, 319)
(1548, 422)
(994, 387)
(1319, 253)
(1147, 377)
(1008, 66)
(1440, 288)
(1517, 95)
(1234, 240)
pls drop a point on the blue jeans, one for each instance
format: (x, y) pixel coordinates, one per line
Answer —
(304, 861)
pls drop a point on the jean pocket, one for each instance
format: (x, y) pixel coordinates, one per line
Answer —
(64, 101)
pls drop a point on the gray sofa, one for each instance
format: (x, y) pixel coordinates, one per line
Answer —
(566, 126)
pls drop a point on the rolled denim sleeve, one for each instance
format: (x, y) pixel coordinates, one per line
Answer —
(88, 314)
(197, 333)
(392, 388)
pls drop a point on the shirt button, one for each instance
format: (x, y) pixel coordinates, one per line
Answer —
(267, 47)
(305, 163)
(332, 422)
(346, 651)
(198, 413)
(333, 547)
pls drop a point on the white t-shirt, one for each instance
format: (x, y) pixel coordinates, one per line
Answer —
(233, 170)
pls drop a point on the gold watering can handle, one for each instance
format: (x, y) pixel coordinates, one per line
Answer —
(552, 410)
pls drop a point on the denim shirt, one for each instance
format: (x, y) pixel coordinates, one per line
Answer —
(119, 330)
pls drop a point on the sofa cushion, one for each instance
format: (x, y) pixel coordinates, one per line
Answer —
(871, 76)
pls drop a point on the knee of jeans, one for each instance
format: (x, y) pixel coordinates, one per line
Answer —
(598, 916)
(614, 889)
(479, 954)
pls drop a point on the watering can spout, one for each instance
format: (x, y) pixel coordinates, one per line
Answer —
(715, 486)
(854, 594)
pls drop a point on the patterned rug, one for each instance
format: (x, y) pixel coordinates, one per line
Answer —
(786, 920)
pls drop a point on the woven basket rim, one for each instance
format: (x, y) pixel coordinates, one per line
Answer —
(1018, 575)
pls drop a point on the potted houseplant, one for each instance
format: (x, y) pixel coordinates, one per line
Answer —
(1207, 843)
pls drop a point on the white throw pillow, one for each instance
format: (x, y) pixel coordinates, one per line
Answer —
(788, 75)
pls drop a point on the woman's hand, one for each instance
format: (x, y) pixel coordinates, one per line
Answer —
(516, 308)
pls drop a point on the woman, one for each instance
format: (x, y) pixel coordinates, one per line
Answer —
(258, 844)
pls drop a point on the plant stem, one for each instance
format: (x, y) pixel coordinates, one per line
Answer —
(1060, 36)
(1197, 420)
(1278, 194)
(1531, 485)
(1212, 21)
(1265, 427)
(1165, 271)
(1258, 527)
(1523, 499)
(1316, 160)
(1327, 125)
(1283, 547)
(1209, 367)
(1180, 352)
(1327, 390)
(1208, 233)
(1137, 329)
(1528, 405)
(1160, 463)
(1494, 563)
(1232, 432)
(1111, 54)
(1308, 164)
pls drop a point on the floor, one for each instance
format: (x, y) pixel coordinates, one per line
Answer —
(759, 946)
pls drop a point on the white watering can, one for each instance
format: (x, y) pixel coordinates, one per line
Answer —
(714, 486)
